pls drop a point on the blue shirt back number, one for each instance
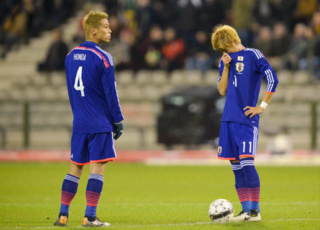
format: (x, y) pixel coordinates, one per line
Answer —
(78, 84)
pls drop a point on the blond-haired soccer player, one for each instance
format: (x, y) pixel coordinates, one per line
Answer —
(97, 116)
(240, 80)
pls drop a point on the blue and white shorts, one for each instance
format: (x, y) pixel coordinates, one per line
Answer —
(237, 141)
(89, 148)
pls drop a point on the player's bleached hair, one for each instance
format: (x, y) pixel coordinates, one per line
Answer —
(223, 38)
(92, 19)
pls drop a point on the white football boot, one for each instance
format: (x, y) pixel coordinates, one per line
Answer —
(95, 223)
(242, 216)
(255, 216)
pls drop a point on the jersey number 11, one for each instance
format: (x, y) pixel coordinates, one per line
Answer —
(235, 81)
(78, 84)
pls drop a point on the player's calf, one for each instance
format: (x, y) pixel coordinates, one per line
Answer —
(241, 187)
(252, 181)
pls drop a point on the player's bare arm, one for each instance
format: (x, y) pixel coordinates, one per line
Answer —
(223, 84)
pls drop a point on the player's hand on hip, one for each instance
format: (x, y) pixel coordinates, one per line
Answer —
(253, 111)
(226, 59)
(118, 129)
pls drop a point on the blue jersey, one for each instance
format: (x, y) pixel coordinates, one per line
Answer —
(92, 89)
(246, 68)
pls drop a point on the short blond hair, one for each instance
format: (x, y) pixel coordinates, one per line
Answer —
(223, 38)
(92, 19)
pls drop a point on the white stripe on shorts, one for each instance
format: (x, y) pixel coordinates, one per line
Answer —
(255, 140)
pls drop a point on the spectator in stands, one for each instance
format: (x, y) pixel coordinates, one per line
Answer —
(281, 41)
(299, 36)
(242, 20)
(118, 47)
(129, 22)
(60, 11)
(305, 10)
(5, 7)
(264, 42)
(14, 28)
(167, 11)
(29, 8)
(48, 9)
(56, 54)
(111, 7)
(115, 27)
(304, 60)
(80, 36)
(125, 56)
(315, 23)
(186, 20)
(299, 40)
(280, 45)
(211, 14)
(287, 12)
(200, 53)
(173, 50)
(150, 49)
(145, 16)
(265, 12)
(4, 10)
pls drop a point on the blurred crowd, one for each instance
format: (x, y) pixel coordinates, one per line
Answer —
(175, 34)
(21, 20)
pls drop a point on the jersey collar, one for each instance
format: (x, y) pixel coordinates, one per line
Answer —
(91, 43)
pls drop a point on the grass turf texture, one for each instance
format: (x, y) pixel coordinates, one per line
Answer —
(136, 196)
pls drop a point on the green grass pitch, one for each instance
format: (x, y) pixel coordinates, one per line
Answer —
(137, 196)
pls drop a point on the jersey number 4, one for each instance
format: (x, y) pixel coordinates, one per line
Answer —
(78, 84)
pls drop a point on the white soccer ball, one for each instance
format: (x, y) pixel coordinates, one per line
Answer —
(221, 211)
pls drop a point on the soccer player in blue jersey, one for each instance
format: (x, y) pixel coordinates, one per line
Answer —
(240, 80)
(97, 116)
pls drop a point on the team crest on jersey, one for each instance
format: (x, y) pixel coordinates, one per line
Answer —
(239, 67)
(219, 150)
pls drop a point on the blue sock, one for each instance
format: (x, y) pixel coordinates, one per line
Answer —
(241, 187)
(94, 188)
(252, 181)
(69, 190)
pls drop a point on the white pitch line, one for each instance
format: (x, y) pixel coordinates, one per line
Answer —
(301, 219)
(162, 204)
(156, 225)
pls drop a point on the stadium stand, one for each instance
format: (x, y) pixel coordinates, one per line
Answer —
(50, 115)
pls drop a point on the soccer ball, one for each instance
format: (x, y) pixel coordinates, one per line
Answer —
(220, 211)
